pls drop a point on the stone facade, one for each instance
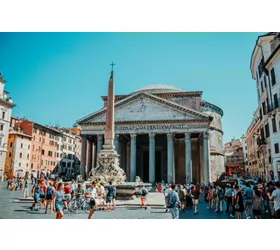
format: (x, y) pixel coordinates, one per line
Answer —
(162, 133)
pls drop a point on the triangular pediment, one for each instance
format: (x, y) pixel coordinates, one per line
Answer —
(143, 106)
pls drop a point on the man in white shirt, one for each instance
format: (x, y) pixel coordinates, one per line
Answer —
(90, 195)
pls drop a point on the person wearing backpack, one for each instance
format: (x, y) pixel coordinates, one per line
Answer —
(220, 199)
(143, 197)
(173, 202)
(49, 197)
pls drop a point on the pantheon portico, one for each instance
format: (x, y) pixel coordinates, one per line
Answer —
(162, 133)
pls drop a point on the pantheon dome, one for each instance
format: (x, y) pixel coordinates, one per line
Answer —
(153, 89)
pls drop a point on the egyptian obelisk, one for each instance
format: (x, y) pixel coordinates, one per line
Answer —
(110, 116)
(108, 164)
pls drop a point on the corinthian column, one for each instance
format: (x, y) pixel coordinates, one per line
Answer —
(152, 170)
(132, 157)
(170, 162)
(84, 157)
(188, 158)
(206, 156)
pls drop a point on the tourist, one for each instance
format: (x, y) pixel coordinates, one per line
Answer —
(269, 192)
(84, 185)
(100, 202)
(8, 183)
(73, 187)
(36, 197)
(79, 192)
(275, 196)
(182, 197)
(220, 199)
(210, 198)
(159, 187)
(143, 196)
(90, 195)
(114, 196)
(257, 204)
(58, 201)
(166, 192)
(228, 197)
(239, 206)
(67, 194)
(248, 196)
(174, 202)
(49, 197)
(195, 196)
(109, 196)
(234, 192)
(26, 189)
(188, 200)
(42, 193)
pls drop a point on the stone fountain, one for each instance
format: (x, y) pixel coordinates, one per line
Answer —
(108, 165)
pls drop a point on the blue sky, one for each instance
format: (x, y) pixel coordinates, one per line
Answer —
(57, 78)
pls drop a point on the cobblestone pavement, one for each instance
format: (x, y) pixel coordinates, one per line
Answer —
(9, 210)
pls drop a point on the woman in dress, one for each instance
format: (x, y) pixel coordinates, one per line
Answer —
(58, 201)
(239, 207)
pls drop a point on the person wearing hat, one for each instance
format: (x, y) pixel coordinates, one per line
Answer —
(275, 196)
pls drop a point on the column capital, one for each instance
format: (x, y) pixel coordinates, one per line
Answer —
(133, 136)
(152, 135)
(170, 136)
(188, 136)
(205, 135)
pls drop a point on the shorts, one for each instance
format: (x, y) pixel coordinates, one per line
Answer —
(195, 202)
(143, 199)
(248, 203)
(58, 206)
(109, 199)
(42, 196)
(114, 197)
(49, 197)
(67, 196)
(36, 198)
(91, 204)
(99, 201)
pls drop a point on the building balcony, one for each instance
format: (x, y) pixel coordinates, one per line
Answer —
(274, 105)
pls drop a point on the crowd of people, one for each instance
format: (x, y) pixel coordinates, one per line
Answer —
(262, 198)
(57, 196)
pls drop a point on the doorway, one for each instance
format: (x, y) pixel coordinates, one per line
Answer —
(158, 163)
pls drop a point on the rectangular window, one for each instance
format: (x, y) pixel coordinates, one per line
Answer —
(276, 148)
(19, 164)
(11, 145)
(35, 130)
(275, 99)
(27, 165)
(272, 73)
(10, 154)
(261, 83)
(1, 127)
(21, 145)
(264, 108)
(28, 157)
(274, 125)
(20, 155)
(264, 81)
(28, 146)
(43, 152)
(269, 154)
(267, 131)
(3, 115)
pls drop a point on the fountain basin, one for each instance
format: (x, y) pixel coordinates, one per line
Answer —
(127, 190)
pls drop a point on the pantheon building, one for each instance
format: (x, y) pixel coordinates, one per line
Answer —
(161, 133)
